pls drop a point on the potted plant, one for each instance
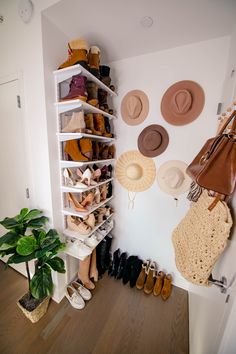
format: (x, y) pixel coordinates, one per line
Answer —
(26, 240)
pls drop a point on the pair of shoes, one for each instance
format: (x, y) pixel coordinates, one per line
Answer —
(78, 178)
(76, 294)
(79, 150)
(105, 76)
(74, 223)
(131, 270)
(102, 100)
(75, 123)
(147, 277)
(77, 89)
(88, 270)
(98, 124)
(103, 254)
(77, 248)
(163, 285)
(77, 54)
(106, 228)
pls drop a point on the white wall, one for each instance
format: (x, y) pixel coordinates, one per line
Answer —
(146, 230)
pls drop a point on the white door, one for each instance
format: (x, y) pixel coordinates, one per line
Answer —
(14, 175)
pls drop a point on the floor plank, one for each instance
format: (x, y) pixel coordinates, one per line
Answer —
(118, 320)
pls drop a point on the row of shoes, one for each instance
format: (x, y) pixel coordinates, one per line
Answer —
(142, 274)
(91, 123)
(81, 202)
(87, 150)
(79, 52)
(89, 176)
(77, 294)
(82, 249)
(84, 226)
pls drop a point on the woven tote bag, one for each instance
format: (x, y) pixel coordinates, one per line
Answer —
(200, 238)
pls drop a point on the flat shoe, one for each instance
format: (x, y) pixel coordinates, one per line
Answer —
(81, 290)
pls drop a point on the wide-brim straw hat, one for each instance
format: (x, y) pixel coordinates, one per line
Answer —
(183, 102)
(135, 172)
(153, 140)
(134, 107)
(172, 178)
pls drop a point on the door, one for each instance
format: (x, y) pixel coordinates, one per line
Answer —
(14, 175)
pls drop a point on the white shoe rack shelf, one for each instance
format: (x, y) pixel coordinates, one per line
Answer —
(62, 77)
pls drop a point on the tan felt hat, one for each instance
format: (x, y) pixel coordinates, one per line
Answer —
(135, 172)
(134, 107)
(172, 178)
(153, 140)
(183, 102)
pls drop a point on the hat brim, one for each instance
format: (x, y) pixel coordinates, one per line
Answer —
(175, 192)
(148, 171)
(198, 102)
(160, 149)
(145, 107)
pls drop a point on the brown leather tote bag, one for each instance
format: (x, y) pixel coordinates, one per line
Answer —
(214, 168)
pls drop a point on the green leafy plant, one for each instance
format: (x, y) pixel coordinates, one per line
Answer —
(26, 240)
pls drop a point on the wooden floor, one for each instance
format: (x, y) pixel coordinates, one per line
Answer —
(118, 320)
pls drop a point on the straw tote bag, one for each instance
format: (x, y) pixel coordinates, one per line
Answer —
(214, 168)
(200, 238)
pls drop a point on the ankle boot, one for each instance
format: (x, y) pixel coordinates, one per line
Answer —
(92, 90)
(72, 149)
(99, 124)
(93, 267)
(83, 273)
(104, 152)
(142, 275)
(76, 123)
(121, 267)
(159, 283)
(90, 124)
(135, 270)
(86, 148)
(167, 286)
(105, 74)
(111, 151)
(77, 54)
(115, 263)
(108, 126)
(94, 61)
(77, 89)
(150, 280)
(102, 99)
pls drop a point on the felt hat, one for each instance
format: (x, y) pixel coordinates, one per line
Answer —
(134, 107)
(172, 178)
(153, 140)
(183, 102)
(134, 171)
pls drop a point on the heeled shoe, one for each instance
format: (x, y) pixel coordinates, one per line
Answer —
(76, 123)
(74, 203)
(90, 220)
(97, 196)
(104, 152)
(86, 148)
(142, 275)
(88, 200)
(104, 191)
(159, 283)
(150, 280)
(167, 286)
(70, 179)
(111, 151)
(86, 176)
(73, 151)
(97, 174)
(74, 224)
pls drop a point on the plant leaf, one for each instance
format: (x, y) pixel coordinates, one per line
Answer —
(9, 223)
(23, 213)
(32, 214)
(16, 258)
(26, 245)
(41, 284)
(49, 238)
(38, 222)
(42, 252)
(9, 240)
(57, 264)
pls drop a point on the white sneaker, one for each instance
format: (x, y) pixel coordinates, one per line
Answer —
(81, 290)
(74, 298)
(92, 241)
(78, 249)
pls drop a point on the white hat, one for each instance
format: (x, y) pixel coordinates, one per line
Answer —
(172, 178)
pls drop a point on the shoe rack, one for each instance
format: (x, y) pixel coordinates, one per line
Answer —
(62, 79)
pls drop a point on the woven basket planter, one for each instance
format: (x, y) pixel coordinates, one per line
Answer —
(35, 315)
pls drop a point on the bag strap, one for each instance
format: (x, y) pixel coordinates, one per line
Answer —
(227, 122)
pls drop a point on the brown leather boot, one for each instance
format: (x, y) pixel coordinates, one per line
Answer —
(83, 273)
(96, 150)
(99, 123)
(77, 53)
(150, 280)
(111, 151)
(142, 275)
(93, 266)
(104, 152)
(92, 90)
(90, 124)
(159, 283)
(86, 148)
(72, 149)
(166, 289)
(94, 60)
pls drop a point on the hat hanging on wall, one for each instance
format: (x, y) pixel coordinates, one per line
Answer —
(134, 107)
(153, 140)
(172, 178)
(135, 172)
(183, 102)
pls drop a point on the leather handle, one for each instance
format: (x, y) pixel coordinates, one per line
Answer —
(227, 122)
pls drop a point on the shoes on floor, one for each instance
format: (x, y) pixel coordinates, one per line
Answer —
(167, 287)
(122, 264)
(142, 275)
(135, 270)
(159, 283)
(74, 298)
(151, 277)
(81, 290)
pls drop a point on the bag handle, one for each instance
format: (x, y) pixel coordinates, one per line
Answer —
(227, 122)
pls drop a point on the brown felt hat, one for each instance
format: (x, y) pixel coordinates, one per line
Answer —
(153, 140)
(134, 107)
(183, 102)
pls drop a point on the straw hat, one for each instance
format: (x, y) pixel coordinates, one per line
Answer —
(172, 178)
(134, 107)
(135, 172)
(153, 140)
(183, 102)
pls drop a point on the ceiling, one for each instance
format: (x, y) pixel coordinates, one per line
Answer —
(114, 25)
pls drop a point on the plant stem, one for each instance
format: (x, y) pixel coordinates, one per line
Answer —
(28, 273)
